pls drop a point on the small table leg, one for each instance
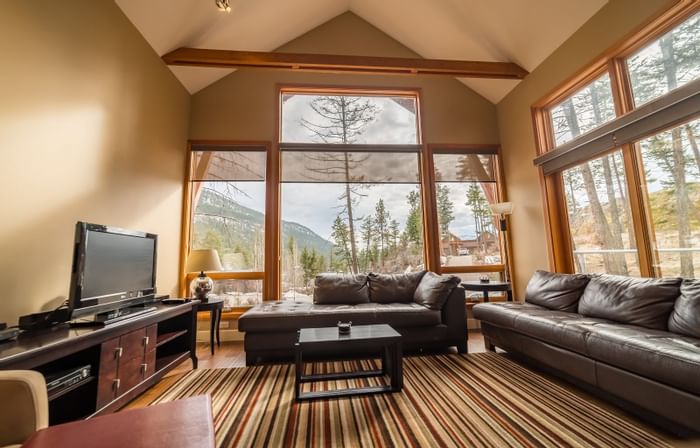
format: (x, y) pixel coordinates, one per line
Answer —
(212, 328)
(509, 293)
(486, 296)
(298, 366)
(218, 327)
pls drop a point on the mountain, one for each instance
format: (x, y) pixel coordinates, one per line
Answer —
(237, 226)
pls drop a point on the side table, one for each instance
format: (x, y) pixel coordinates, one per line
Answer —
(215, 306)
(491, 286)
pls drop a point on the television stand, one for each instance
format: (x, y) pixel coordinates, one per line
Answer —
(111, 317)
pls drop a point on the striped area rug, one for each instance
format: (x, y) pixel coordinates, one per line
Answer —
(475, 400)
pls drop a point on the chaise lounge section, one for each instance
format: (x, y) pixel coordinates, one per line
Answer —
(635, 341)
(426, 308)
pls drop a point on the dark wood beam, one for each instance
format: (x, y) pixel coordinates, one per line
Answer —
(199, 57)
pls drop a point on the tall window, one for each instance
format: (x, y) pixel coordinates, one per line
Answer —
(227, 197)
(600, 217)
(632, 207)
(350, 197)
(469, 234)
(672, 182)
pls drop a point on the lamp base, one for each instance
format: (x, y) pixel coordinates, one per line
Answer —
(201, 286)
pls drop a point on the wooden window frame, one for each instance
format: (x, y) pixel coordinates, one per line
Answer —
(186, 227)
(451, 148)
(613, 62)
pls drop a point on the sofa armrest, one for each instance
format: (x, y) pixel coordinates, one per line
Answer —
(454, 315)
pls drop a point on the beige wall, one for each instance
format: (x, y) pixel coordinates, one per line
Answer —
(611, 24)
(242, 105)
(93, 127)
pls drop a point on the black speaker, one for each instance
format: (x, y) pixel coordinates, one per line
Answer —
(47, 319)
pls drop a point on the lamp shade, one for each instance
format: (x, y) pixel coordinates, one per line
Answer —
(502, 208)
(203, 260)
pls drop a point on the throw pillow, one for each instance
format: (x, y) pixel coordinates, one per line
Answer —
(393, 288)
(433, 290)
(340, 289)
(685, 317)
(646, 302)
(556, 291)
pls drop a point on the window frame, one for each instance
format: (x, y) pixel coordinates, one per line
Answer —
(193, 147)
(612, 61)
(450, 148)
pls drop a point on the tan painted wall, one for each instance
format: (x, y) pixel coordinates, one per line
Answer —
(242, 105)
(93, 126)
(611, 24)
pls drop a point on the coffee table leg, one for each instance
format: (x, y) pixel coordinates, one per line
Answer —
(397, 368)
(298, 365)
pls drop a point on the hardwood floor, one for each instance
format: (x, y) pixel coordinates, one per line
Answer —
(232, 355)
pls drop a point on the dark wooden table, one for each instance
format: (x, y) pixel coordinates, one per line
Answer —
(380, 337)
(183, 423)
(215, 306)
(492, 286)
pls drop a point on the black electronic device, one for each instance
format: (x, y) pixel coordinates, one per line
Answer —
(8, 334)
(113, 269)
(66, 378)
(38, 321)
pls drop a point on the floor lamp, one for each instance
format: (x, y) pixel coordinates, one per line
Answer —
(502, 209)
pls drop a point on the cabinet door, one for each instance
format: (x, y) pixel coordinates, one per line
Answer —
(133, 345)
(108, 380)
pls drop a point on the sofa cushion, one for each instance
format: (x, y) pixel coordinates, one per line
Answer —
(433, 290)
(646, 302)
(290, 316)
(393, 288)
(685, 317)
(556, 291)
(341, 289)
(660, 355)
(560, 328)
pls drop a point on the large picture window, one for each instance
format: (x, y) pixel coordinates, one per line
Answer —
(349, 188)
(627, 192)
(350, 197)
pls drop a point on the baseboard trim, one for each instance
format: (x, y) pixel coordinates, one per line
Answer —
(226, 335)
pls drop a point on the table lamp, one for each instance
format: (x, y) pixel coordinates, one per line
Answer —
(202, 260)
(502, 209)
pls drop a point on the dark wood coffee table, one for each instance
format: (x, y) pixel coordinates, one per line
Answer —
(370, 337)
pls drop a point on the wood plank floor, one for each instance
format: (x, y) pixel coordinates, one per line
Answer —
(231, 355)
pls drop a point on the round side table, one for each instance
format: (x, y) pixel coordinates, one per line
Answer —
(491, 286)
(215, 307)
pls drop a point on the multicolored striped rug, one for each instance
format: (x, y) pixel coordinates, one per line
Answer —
(482, 399)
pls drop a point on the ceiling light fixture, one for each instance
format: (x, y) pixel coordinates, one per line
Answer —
(223, 5)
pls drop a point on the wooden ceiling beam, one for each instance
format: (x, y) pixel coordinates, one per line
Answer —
(199, 57)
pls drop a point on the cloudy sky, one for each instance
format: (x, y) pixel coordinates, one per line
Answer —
(317, 205)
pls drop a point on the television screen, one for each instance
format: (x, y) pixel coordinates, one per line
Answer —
(112, 268)
(116, 263)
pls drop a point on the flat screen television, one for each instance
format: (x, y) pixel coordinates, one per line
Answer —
(112, 269)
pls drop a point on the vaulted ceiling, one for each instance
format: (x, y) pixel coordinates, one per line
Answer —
(520, 31)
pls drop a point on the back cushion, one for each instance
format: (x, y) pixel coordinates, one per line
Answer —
(685, 317)
(433, 290)
(646, 302)
(556, 291)
(341, 289)
(393, 288)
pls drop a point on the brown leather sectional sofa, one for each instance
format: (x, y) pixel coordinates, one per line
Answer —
(427, 309)
(633, 341)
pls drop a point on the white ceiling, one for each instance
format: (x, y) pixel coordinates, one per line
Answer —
(520, 31)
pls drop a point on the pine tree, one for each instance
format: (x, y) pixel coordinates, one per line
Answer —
(414, 222)
(342, 119)
(341, 235)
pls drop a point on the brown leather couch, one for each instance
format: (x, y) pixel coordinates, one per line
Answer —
(633, 341)
(427, 309)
